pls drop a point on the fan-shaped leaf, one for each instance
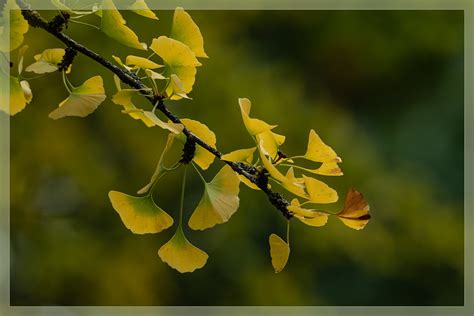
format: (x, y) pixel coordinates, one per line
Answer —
(141, 8)
(254, 126)
(202, 157)
(20, 96)
(318, 151)
(240, 155)
(308, 216)
(288, 183)
(181, 255)
(140, 214)
(319, 192)
(270, 142)
(83, 100)
(141, 62)
(179, 60)
(187, 32)
(219, 201)
(47, 61)
(279, 252)
(356, 210)
(124, 98)
(12, 26)
(113, 25)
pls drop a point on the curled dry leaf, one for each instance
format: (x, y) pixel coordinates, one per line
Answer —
(355, 213)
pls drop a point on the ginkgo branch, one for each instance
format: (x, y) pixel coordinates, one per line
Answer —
(55, 27)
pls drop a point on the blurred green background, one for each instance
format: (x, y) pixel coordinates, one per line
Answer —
(383, 88)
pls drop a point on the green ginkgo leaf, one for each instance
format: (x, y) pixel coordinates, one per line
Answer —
(124, 98)
(202, 157)
(279, 252)
(82, 100)
(181, 255)
(186, 31)
(13, 26)
(141, 8)
(319, 192)
(254, 126)
(179, 60)
(113, 25)
(20, 96)
(219, 201)
(48, 61)
(140, 214)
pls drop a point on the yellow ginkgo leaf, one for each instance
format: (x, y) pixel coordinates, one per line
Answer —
(181, 255)
(271, 142)
(355, 213)
(47, 61)
(248, 183)
(140, 214)
(82, 100)
(318, 151)
(141, 62)
(21, 55)
(288, 183)
(219, 201)
(254, 126)
(170, 126)
(20, 96)
(113, 25)
(308, 216)
(154, 75)
(186, 31)
(202, 157)
(124, 98)
(141, 8)
(327, 169)
(240, 155)
(179, 60)
(319, 192)
(176, 88)
(12, 26)
(279, 252)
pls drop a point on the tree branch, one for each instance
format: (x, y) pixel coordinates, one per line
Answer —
(55, 26)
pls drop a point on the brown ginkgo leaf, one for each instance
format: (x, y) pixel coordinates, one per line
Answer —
(355, 213)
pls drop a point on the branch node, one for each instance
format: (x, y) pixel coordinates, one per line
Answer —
(189, 150)
(68, 58)
(59, 21)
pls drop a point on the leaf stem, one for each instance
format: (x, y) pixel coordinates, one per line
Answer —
(181, 203)
(84, 23)
(65, 81)
(199, 173)
(288, 232)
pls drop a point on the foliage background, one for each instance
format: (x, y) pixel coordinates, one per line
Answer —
(383, 88)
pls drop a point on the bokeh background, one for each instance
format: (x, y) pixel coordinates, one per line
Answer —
(383, 88)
